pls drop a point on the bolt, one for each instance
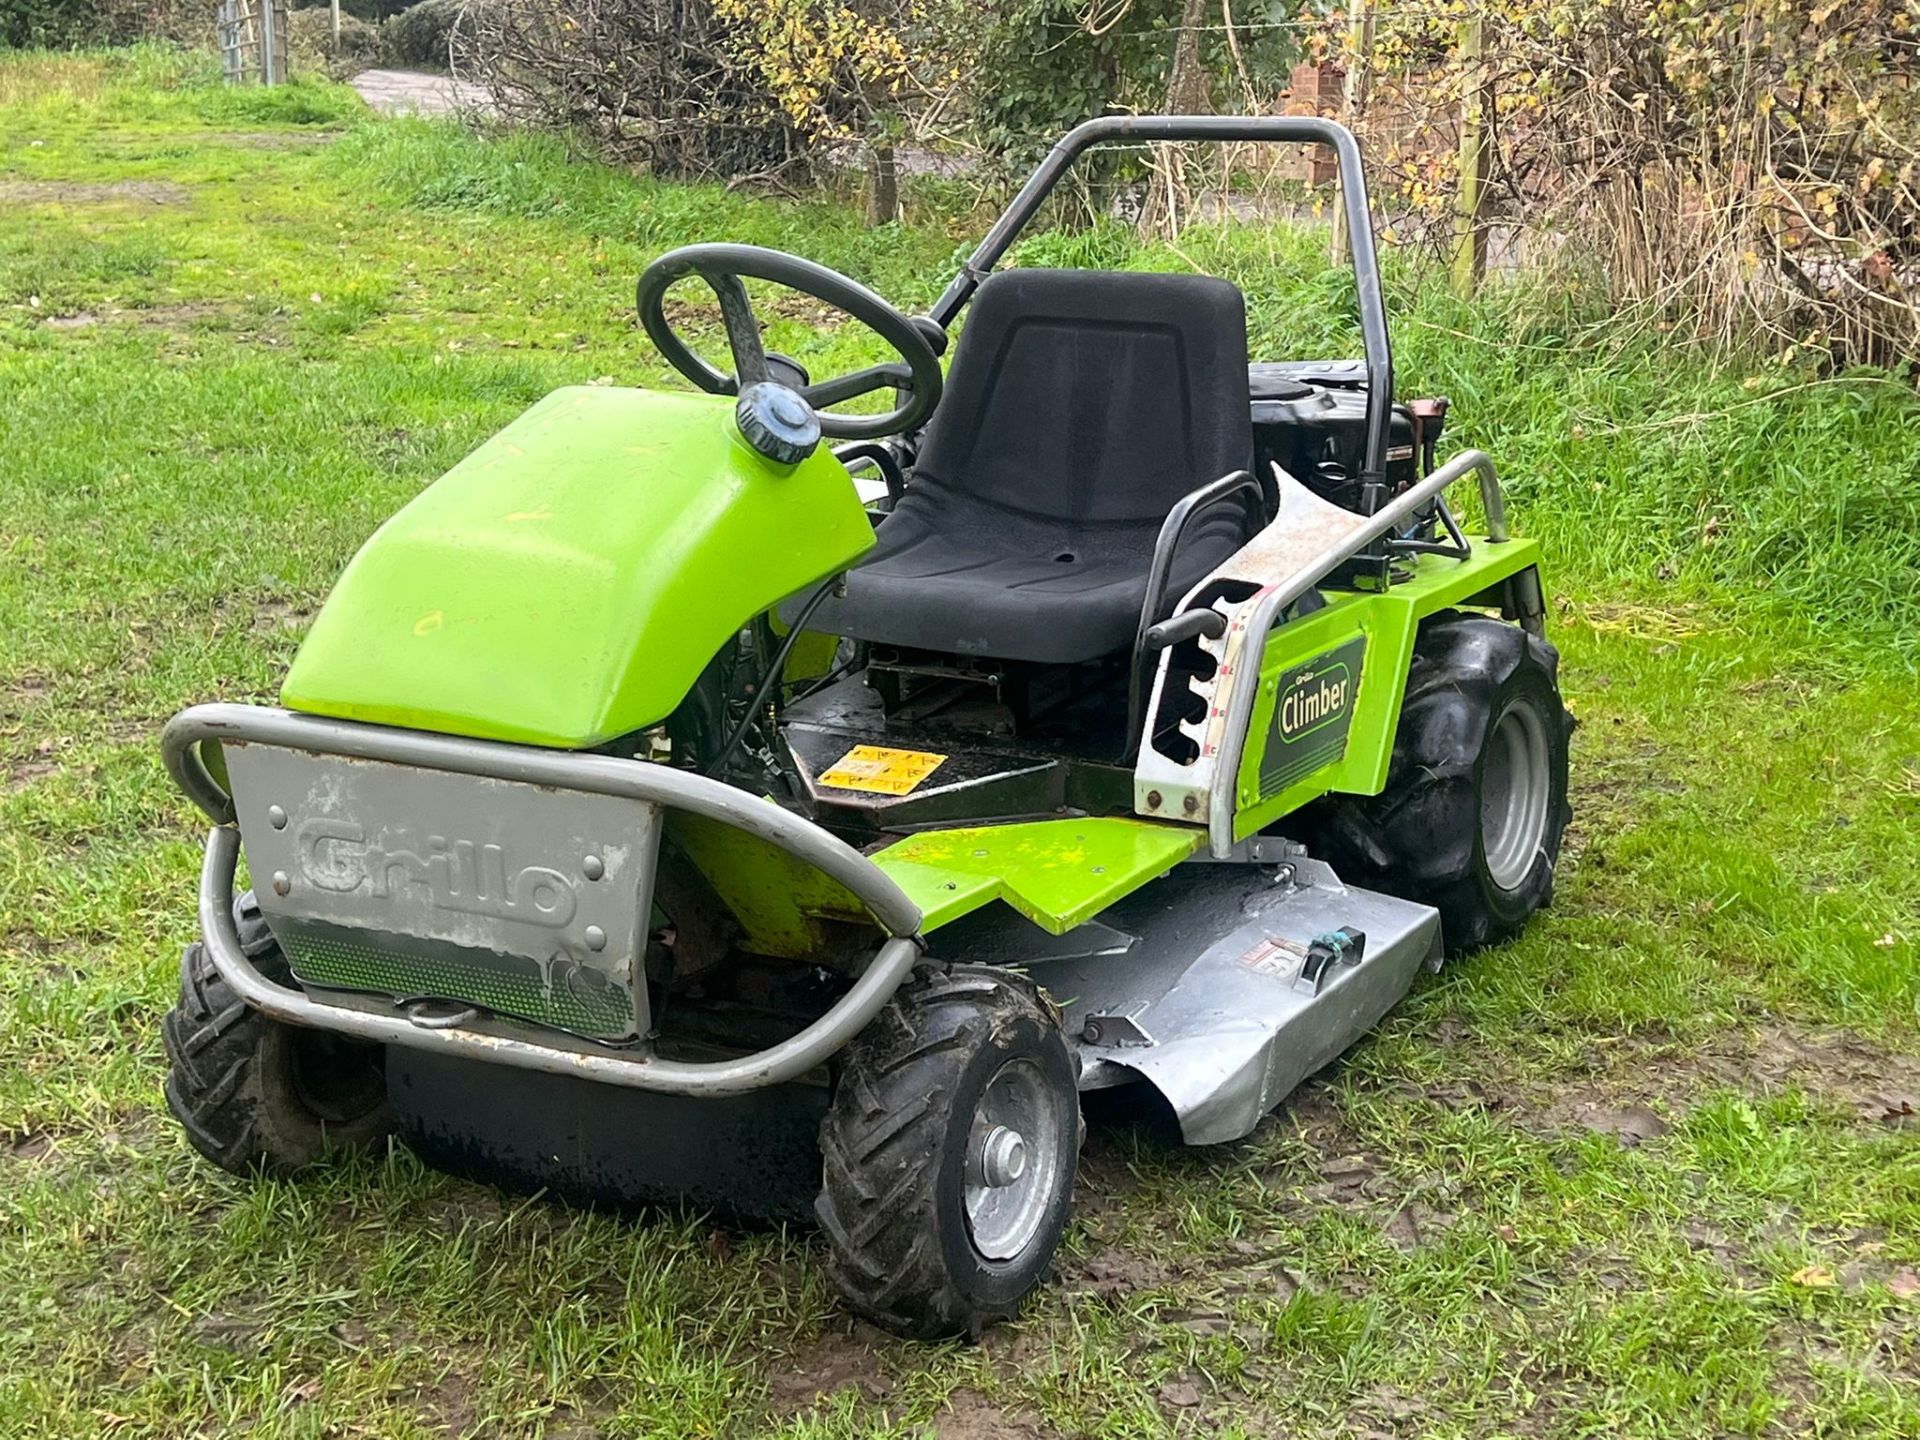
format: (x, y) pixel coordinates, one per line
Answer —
(1003, 1159)
(593, 867)
(595, 937)
(1153, 799)
(1090, 1032)
(281, 884)
(276, 817)
(1190, 804)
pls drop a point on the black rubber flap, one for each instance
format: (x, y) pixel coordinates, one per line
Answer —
(752, 1157)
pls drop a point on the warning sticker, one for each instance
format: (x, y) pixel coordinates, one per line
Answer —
(880, 771)
(1274, 956)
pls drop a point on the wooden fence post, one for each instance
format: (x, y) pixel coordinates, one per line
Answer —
(1476, 114)
(1353, 97)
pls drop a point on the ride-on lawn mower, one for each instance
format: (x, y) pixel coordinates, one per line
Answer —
(649, 816)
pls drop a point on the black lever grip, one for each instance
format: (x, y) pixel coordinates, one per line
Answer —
(1184, 626)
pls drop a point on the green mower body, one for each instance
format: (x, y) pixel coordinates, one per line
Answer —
(1116, 712)
(567, 582)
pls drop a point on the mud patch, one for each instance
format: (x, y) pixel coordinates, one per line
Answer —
(1880, 1086)
(696, 310)
(1631, 1125)
(40, 764)
(182, 315)
(447, 1404)
(969, 1415)
(270, 139)
(22, 692)
(238, 1328)
(830, 1364)
(1112, 1274)
(32, 1146)
(93, 192)
(178, 316)
(276, 617)
(1634, 1091)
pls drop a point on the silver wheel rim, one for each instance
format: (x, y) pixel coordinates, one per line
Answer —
(1514, 787)
(1013, 1160)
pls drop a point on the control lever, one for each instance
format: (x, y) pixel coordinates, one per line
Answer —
(1184, 626)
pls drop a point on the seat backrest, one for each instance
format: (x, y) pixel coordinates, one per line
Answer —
(1090, 395)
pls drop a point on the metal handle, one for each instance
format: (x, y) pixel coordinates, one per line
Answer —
(1275, 600)
(1166, 545)
(183, 742)
(446, 1017)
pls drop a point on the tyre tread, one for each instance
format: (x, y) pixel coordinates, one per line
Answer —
(880, 1176)
(1462, 664)
(214, 1043)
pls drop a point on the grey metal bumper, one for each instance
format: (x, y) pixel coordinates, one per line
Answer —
(484, 1039)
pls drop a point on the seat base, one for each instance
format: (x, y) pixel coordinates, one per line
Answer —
(960, 575)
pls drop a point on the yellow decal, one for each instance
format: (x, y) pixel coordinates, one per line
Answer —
(880, 771)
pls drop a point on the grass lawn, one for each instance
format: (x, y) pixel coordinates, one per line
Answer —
(1652, 1171)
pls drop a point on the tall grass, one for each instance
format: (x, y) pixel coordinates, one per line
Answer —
(1655, 468)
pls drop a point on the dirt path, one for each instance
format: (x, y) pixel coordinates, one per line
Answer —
(414, 92)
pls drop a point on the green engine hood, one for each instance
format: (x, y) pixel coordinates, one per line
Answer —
(568, 581)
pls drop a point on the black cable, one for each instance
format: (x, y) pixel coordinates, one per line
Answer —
(767, 681)
(816, 686)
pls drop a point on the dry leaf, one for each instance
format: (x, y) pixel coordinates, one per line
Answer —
(1814, 1277)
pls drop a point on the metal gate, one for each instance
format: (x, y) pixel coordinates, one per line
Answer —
(253, 41)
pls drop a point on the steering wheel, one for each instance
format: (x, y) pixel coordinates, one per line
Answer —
(724, 267)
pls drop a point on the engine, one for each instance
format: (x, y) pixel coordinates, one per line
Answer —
(1310, 417)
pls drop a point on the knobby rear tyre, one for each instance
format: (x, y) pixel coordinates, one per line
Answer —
(1475, 804)
(256, 1096)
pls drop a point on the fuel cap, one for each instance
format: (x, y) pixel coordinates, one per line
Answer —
(777, 422)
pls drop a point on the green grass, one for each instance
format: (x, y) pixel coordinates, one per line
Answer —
(210, 391)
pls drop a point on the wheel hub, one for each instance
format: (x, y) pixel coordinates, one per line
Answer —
(1012, 1161)
(1514, 795)
(1003, 1157)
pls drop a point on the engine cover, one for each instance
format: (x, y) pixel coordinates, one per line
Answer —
(1311, 419)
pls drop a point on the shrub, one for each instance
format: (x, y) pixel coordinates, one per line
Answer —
(25, 23)
(647, 81)
(418, 37)
(311, 48)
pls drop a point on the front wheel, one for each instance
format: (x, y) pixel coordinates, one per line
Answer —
(1475, 803)
(950, 1150)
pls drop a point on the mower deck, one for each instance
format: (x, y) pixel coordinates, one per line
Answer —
(1193, 985)
(1207, 985)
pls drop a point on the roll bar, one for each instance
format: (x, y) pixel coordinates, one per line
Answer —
(1218, 129)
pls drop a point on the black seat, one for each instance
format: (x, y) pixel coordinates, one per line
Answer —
(1080, 406)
